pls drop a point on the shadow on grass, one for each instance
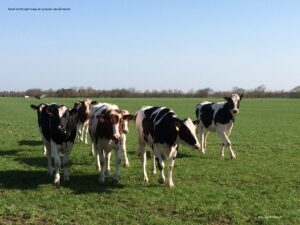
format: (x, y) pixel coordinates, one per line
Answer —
(9, 152)
(79, 184)
(30, 142)
(19, 179)
(179, 154)
(37, 162)
(82, 184)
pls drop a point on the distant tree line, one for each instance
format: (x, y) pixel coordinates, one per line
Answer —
(258, 92)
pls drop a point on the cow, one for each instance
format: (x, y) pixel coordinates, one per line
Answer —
(83, 113)
(108, 131)
(161, 129)
(26, 97)
(58, 127)
(218, 117)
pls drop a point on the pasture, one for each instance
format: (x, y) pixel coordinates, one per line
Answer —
(262, 186)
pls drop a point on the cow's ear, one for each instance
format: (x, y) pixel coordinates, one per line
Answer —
(227, 98)
(34, 107)
(241, 96)
(73, 111)
(128, 117)
(196, 122)
(94, 102)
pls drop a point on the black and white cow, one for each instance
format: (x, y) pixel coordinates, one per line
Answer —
(108, 128)
(162, 130)
(83, 114)
(58, 127)
(218, 117)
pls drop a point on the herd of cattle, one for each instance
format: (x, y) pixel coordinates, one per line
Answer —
(107, 125)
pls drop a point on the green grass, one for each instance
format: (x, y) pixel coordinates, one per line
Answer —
(261, 187)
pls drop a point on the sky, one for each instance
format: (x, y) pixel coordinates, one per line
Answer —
(150, 44)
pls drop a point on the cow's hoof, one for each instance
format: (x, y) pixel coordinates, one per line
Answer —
(153, 172)
(101, 179)
(57, 184)
(146, 180)
(115, 181)
(107, 172)
(161, 180)
(233, 157)
(171, 185)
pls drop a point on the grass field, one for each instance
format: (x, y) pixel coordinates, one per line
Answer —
(261, 187)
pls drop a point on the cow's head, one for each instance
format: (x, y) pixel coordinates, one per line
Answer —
(126, 116)
(187, 132)
(85, 105)
(233, 103)
(62, 119)
(112, 119)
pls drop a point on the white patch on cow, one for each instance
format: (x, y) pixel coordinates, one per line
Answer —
(191, 126)
(41, 107)
(235, 98)
(61, 110)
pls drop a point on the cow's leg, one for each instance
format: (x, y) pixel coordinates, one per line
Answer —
(225, 142)
(86, 130)
(126, 162)
(107, 157)
(141, 149)
(57, 162)
(66, 161)
(160, 163)
(44, 140)
(78, 129)
(170, 169)
(102, 163)
(153, 166)
(200, 130)
(205, 138)
(81, 132)
(93, 148)
(48, 154)
(98, 163)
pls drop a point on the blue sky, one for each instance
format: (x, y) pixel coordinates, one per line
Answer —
(150, 44)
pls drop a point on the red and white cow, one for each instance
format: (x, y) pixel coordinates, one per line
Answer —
(108, 131)
(218, 117)
(83, 114)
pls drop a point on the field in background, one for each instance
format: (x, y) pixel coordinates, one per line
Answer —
(261, 187)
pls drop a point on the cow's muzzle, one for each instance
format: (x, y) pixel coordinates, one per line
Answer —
(197, 146)
(235, 111)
